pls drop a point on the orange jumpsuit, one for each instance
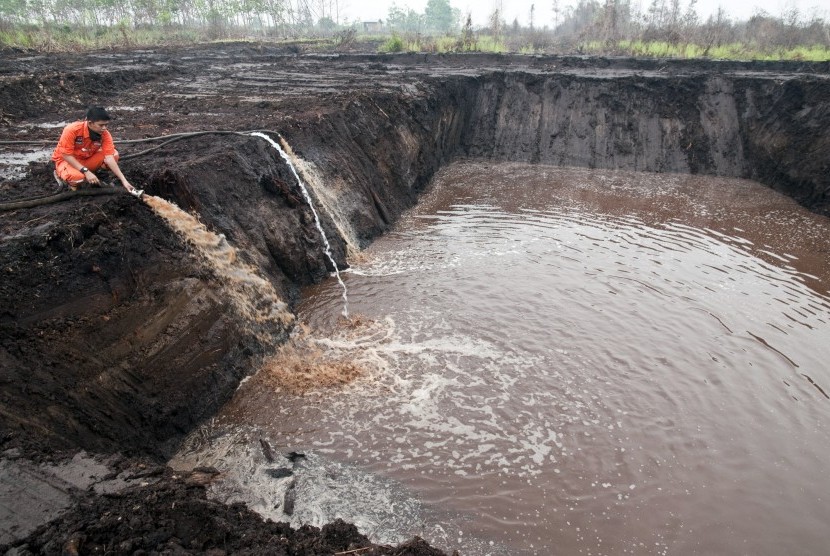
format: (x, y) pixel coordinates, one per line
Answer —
(75, 141)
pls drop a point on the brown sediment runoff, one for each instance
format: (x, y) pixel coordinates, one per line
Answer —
(118, 338)
(252, 296)
(301, 366)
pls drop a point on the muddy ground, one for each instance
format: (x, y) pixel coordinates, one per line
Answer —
(116, 338)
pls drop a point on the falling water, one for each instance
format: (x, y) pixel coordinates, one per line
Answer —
(253, 296)
(307, 196)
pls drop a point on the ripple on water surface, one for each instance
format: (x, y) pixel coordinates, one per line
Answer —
(564, 360)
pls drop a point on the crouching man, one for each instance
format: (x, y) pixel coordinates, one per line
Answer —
(85, 147)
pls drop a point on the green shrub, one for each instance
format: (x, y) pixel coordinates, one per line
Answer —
(487, 43)
(394, 44)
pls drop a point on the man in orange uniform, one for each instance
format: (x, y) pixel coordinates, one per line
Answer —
(84, 147)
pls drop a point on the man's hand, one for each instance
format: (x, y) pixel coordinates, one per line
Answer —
(112, 164)
(133, 191)
(91, 178)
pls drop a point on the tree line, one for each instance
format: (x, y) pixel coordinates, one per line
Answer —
(675, 22)
(596, 25)
(274, 17)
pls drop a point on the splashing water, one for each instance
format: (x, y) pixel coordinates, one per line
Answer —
(251, 295)
(301, 366)
(307, 197)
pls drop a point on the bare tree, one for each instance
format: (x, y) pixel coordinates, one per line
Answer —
(791, 19)
(716, 30)
(468, 39)
(495, 23)
(609, 22)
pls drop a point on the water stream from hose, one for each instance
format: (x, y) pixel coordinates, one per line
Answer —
(253, 297)
(307, 196)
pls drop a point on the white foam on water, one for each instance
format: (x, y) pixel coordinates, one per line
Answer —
(420, 386)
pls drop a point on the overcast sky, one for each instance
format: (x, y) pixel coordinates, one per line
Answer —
(372, 10)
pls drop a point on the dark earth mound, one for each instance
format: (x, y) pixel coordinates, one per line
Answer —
(172, 515)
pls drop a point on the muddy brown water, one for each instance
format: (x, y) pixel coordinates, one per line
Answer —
(569, 361)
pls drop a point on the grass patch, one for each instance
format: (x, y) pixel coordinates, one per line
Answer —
(443, 44)
(53, 38)
(394, 44)
(730, 51)
(487, 43)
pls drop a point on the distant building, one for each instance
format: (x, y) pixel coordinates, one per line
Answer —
(373, 26)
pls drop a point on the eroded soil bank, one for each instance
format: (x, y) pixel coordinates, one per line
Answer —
(117, 338)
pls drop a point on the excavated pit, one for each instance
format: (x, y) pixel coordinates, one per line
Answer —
(117, 338)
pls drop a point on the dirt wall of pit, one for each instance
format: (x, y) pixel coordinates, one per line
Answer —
(373, 157)
(115, 337)
(734, 126)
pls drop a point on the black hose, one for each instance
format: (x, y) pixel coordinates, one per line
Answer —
(49, 199)
(186, 134)
(149, 139)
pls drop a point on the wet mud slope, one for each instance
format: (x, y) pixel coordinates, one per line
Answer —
(117, 338)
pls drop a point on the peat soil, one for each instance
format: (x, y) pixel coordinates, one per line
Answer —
(116, 337)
